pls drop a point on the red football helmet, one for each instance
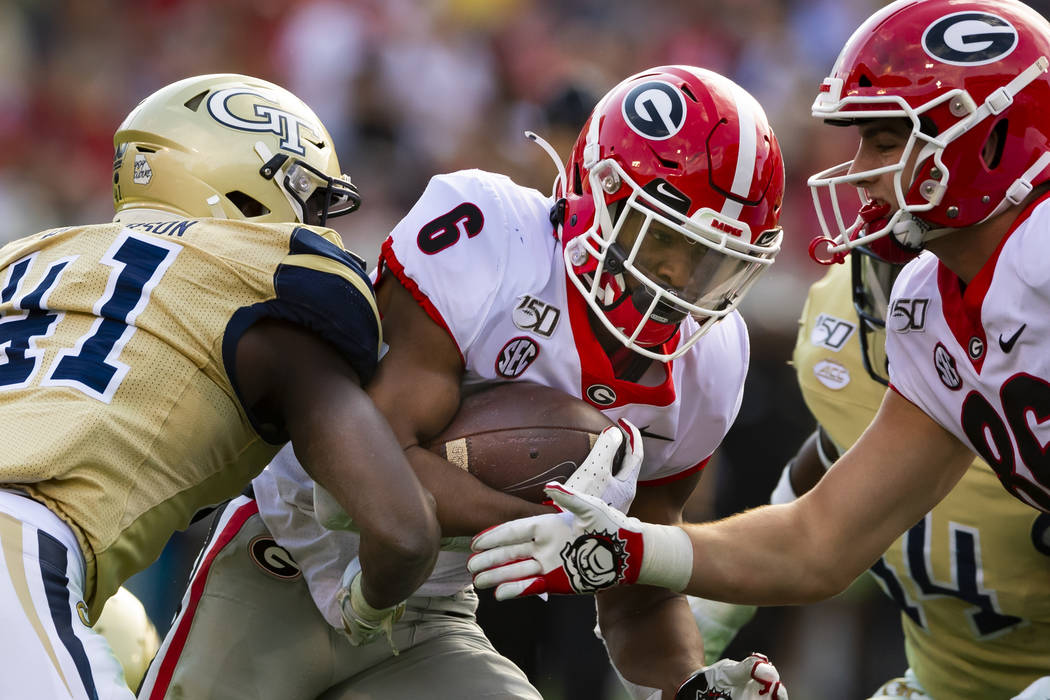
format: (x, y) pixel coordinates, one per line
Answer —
(671, 198)
(961, 71)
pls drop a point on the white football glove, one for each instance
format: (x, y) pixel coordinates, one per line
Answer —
(585, 548)
(595, 476)
(361, 622)
(718, 623)
(754, 678)
(907, 686)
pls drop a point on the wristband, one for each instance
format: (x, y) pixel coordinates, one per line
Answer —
(362, 607)
(667, 557)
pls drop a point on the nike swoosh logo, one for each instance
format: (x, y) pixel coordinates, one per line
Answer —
(665, 189)
(1008, 345)
(644, 432)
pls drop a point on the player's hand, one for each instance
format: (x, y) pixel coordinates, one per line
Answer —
(361, 622)
(585, 548)
(595, 476)
(754, 678)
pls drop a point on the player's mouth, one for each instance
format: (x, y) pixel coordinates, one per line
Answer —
(875, 214)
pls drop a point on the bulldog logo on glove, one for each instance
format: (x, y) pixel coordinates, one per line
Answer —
(594, 561)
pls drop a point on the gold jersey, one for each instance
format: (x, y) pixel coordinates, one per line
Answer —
(972, 578)
(117, 350)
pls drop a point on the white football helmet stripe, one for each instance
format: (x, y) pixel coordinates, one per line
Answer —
(747, 154)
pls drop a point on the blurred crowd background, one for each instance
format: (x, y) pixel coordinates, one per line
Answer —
(410, 88)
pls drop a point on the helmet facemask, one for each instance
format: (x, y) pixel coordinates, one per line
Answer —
(315, 196)
(959, 73)
(642, 266)
(872, 280)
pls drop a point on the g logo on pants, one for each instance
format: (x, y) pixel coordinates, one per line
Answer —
(273, 558)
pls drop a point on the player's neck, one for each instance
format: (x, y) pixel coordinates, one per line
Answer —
(967, 250)
(626, 364)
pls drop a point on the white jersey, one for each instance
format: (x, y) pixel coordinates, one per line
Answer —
(479, 254)
(977, 360)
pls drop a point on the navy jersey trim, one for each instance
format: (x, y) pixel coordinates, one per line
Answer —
(53, 558)
(340, 308)
(307, 242)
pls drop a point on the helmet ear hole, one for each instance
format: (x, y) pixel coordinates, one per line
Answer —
(247, 205)
(994, 146)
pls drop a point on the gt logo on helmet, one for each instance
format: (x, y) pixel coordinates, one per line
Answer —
(655, 109)
(271, 119)
(969, 39)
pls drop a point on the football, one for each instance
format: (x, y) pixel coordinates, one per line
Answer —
(516, 437)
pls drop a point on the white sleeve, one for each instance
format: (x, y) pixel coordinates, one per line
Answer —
(284, 493)
(451, 251)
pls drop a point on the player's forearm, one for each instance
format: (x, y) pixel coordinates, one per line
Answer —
(373, 483)
(651, 636)
(776, 559)
(390, 576)
(466, 506)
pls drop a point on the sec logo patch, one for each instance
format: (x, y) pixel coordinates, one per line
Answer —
(516, 356)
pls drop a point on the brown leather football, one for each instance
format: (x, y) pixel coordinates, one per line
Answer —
(516, 437)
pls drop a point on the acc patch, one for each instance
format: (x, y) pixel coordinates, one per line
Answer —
(516, 356)
(273, 558)
(831, 374)
(969, 39)
(655, 110)
(594, 561)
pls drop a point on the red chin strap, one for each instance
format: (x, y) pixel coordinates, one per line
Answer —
(820, 251)
(875, 216)
(887, 247)
(625, 316)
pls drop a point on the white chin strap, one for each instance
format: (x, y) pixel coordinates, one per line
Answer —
(911, 233)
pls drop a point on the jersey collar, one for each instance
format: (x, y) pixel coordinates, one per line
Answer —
(596, 370)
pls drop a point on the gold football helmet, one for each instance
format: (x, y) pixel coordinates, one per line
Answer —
(130, 633)
(229, 146)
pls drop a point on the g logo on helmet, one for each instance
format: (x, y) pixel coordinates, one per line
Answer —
(969, 39)
(270, 119)
(594, 561)
(655, 109)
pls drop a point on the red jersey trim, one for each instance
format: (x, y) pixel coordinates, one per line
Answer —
(677, 476)
(962, 309)
(900, 394)
(596, 368)
(169, 658)
(389, 260)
